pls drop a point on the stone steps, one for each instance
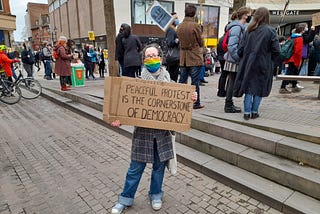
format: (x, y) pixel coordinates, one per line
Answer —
(233, 163)
(303, 152)
(283, 171)
(302, 132)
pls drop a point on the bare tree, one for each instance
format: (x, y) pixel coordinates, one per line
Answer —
(111, 35)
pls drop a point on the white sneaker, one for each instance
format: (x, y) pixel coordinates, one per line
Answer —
(299, 86)
(156, 204)
(118, 208)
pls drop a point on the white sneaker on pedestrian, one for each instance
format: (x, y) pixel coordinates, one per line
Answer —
(156, 204)
(118, 208)
(299, 86)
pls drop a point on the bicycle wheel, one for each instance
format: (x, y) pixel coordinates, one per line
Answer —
(10, 93)
(30, 88)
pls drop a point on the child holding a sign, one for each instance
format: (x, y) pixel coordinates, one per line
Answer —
(148, 145)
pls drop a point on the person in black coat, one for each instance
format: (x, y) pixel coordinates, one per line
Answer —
(257, 51)
(132, 48)
(119, 52)
(27, 59)
(173, 42)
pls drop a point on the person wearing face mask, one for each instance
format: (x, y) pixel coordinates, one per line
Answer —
(148, 145)
(236, 30)
(173, 42)
(63, 65)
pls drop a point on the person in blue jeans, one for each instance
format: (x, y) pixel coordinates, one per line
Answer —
(148, 145)
(191, 50)
(257, 50)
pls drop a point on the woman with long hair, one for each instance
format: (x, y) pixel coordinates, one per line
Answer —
(258, 49)
(236, 30)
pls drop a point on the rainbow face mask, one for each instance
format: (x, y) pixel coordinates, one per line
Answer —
(152, 64)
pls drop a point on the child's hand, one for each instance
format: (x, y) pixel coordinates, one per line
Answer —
(116, 123)
(194, 96)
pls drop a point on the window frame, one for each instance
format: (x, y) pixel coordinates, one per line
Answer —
(215, 24)
(1, 6)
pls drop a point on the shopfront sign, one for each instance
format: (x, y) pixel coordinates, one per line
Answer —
(287, 13)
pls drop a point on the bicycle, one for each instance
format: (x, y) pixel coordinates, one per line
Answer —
(30, 88)
(10, 93)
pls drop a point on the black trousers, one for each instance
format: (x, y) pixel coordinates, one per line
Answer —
(173, 70)
(291, 70)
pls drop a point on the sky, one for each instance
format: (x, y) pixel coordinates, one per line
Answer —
(18, 8)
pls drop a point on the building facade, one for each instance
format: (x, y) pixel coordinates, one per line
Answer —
(75, 18)
(297, 12)
(7, 24)
(38, 24)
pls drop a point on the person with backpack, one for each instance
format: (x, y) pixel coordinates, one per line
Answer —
(224, 74)
(27, 59)
(234, 34)
(258, 50)
(293, 62)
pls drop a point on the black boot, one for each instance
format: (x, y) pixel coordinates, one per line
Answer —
(230, 108)
(221, 93)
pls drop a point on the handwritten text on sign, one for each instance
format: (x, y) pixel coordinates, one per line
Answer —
(150, 104)
(146, 101)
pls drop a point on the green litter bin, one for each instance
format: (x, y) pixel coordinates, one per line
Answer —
(77, 75)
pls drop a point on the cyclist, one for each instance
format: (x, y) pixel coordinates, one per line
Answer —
(5, 62)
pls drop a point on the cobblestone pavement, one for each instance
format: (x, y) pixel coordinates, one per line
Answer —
(53, 161)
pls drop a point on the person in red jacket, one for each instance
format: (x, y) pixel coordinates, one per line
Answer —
(5, 62)
(294, 62)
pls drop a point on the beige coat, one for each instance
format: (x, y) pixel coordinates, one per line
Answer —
(191, 43)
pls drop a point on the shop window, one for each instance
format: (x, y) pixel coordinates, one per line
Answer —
(208, 17)
(139, 8)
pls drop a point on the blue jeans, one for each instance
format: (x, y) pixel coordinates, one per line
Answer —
(48, 70)
(304, 68)
(251, 103)
(194, 72)
(134, 175)
(317, 70)
(202, 73)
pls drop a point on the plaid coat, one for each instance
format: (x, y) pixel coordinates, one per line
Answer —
(144, 141)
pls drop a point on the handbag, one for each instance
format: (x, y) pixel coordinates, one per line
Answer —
(172, 164)
(173, 55)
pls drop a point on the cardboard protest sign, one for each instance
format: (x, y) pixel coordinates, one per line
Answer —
(316, 19)
(150, 104)
(160, 16)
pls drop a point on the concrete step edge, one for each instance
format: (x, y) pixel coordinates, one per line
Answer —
(287, 204)
(286, 172)
(309, 133)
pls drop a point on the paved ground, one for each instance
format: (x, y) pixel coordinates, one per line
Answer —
(53, 161)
